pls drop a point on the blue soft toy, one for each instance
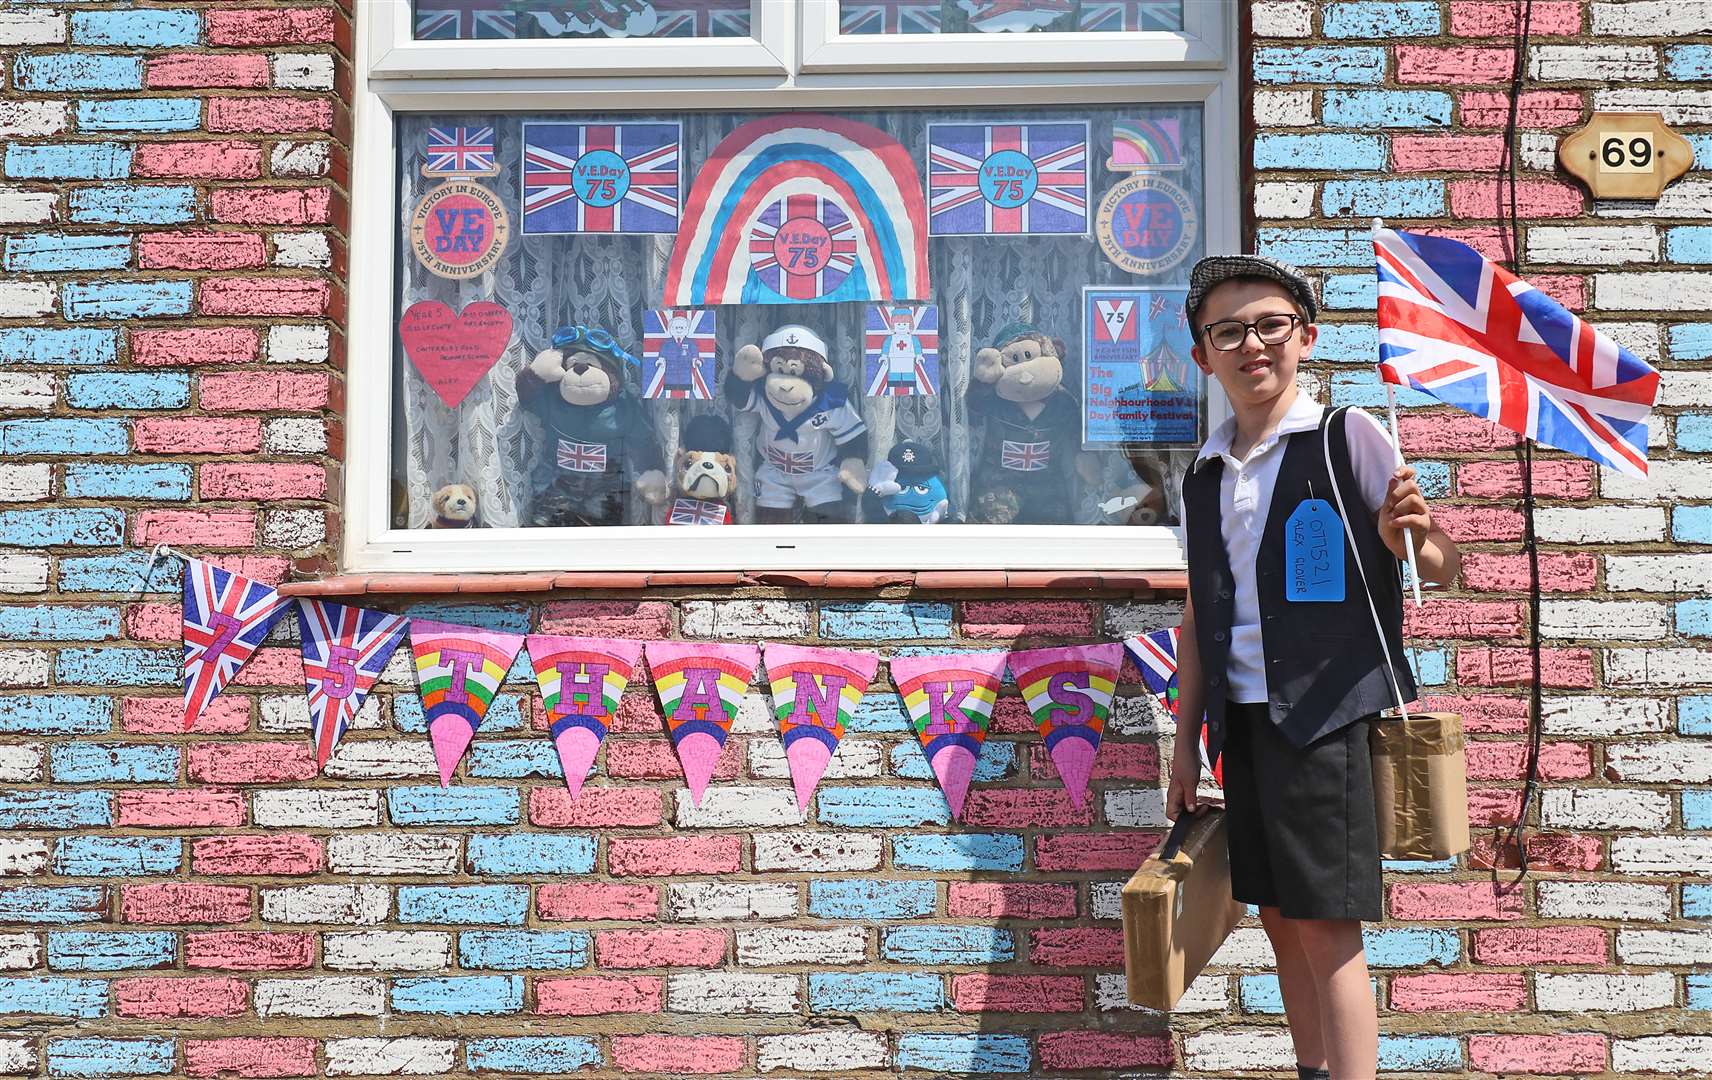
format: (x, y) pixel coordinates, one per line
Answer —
(907, 487)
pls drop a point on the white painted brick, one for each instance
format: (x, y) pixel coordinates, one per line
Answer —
(853, 759)
(1618, 900)
(316, 808)
(1604, 716)
(302, 159)
(1592, 63)
(23, 667)
(17, 1056)
(27, 118)
(1660, 761)
(294, 435)
(725, 806)
(816, 852)
(298, 344)
(1676, 1054)
(303, 71)
(1607, 620)
(1105, 900)
(21, 573)
(840, 1050)
(1658, 667)
(1239, 1049)
(26, 483)
(1247, 947)
(731, 993)
(382, 759)
(1661, 855)
(1685, 388)
(1663, 291)
(20, 764)
(1593, 245)
(1284, 108)
(22, 856)
(1141, 714)
(1665, 948)
(755, 717)
(1136, 808)
(333, 905)
(773, 946)
(25, 391)
(1539, 150)
(1658, 573)
(1288, 20)
(26, 299)
(32, 26)
(1592, 992)
(1605, 808)
(293, 529)
(1665, 481)
(1676, 106)
(307, 250)
(1284, 200)
(1640, 338)
(1128, 620)
(387, 950)
(1652, 18)
(745, 618)
(1599, 524)
(344, 996)
(1690, 198)
(289, 713)
(21, 207)
(390, 1057)
(1207, 994)
(19, 952)
(702, 900)
(385, 854)
(399, 672)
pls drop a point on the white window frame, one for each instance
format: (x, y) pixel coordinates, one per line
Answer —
(389, 85)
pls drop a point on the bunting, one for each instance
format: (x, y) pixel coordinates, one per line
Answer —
(950, 701)
(814, 692)
(1069, 692)
(344, 651)
(701, 687)
(581, 680)
(458, 672)
(226, 618)
(1155, 656)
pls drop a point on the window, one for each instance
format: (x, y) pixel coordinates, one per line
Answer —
(815, 307)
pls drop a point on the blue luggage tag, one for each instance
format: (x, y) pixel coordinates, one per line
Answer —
(1313, 554)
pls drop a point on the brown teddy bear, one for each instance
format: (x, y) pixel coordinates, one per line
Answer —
(1030, 448)
(704, 474)
(455, 508)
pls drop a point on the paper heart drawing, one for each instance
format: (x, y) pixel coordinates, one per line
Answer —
(453, 352)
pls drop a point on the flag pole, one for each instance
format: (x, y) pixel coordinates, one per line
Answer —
(1397, 452)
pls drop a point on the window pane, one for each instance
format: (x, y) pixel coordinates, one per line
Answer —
(1006, 16)
(504, 19)
(986, 303)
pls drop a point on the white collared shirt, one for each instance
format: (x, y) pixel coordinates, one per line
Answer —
(1245, 497)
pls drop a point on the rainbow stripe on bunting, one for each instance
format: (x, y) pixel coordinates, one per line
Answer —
(458, 672)
(581, 681)
(701, 687)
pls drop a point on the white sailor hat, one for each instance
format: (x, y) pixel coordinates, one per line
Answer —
(794, 336)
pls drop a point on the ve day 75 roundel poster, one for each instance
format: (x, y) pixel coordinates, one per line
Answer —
(459, 230)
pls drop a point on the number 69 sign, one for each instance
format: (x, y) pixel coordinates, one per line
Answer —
(1626, 155)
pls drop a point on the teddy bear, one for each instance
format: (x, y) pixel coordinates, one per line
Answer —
(1030, 448)
(907, 487)
(603, 444)
(704, 474)
(454, 507)
(813, 441)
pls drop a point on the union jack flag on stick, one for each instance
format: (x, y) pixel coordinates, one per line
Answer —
(226, 618)
(344, 651)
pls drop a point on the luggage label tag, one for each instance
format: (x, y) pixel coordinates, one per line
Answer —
(1313, 554)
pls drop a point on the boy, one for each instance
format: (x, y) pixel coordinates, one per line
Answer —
(1288, 678)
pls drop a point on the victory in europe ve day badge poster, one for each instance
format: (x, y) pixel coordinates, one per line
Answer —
(1141, 385)
(1147, 224)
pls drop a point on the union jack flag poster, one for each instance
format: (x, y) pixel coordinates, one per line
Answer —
(582, 457)
(889, 16)
(698, 512)
(226, 618)
(344, 651)
(802, 247)
(1130, 15)
(678, 348)
(1007, 179)
(1470, 333)
(1155, 656)
(601, 178)
(901, 350)
(702, 18)
(459, 151)
(461, 20)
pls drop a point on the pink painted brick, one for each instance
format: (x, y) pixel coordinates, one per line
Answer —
(172, 902)
(272, 666)
(1459, 992)
(1006, 619)
(1437, 619)
(594, 901)
(165, 716)
(608, 618)
(179, 999)
(639, 714)
(1493, 806)
(1559, 572)
(1555, 1053)
(272, 206)
(198, 345)
(1569, 669)
(250, 1057)
(1104, 1050)
(1022, 808)
(1011, 717)
(1539, 109)
(1455, 66)
(264, 296)
(205, 528)
(1468, 524)
(198, 435)
(252, 763)
(1429, 153)
(654, 759)
(1116, 761)
(1077, 947)
(261, 480)
(1489, 240)
(1017, 993)
(1482, 713)
(270, 26)
(1451, 432)
(699, 1055)
(595, 808)
(281, 854)
(1459, 900)
(1093, 851)
(1508, 760)
(1503, 479)
(1011, 900)
(1570, 290)
(263, 391)
(269, 115)
(599, 995)
(638, 856)
(200, 160)
(1564, 852)
(1524, 946)
(249, 950)
(201, 251)
(181, 809)
(1491, 18)
(241, 71)
(659, 948)
(1484, 198)
(154, 622)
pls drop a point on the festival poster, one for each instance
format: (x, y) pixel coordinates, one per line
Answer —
(950, 701)
(1140, 383)
(1069, 692)
(901, 350)
(581, 680)
(701, 686)
(814, 692)
(226, 617)
(1007, 179)
(601, 178)
(678, 350)
(345, 649)
(458, 672)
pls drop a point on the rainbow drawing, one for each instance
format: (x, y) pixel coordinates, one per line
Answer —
(458, 672)
(814, 693)
(1146, 144)
(581, 680)
(865, 172)
(950, 700)
(1069, 691)
(701, 687)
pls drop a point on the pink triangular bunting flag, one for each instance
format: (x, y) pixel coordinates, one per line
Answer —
(1069, 692)
(814, 692)
(701, 686)
(458, 672)
(950, 700)
(581, 680)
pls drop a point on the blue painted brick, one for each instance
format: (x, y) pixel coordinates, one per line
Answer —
(1370, 109)
(1335, 151)
(1261, 994)
(874, 807)
(998, 760)
(1699, 989)
(61, 347)
(154, 115)
(983, 1052)
(1370, 19)
(1697, 808)
(128, 390)
(505, 714)
(1433, 478)
(145, 28)
(531, 853)
(55, 809)
(56, 714)
(1689, 63)
(459, 995)
(117, 856)
(479, 905)
(962, 851)
(47, 252)
(72, 998)
(515, 760)
(874, 991)
(1418, 866)
(1694, 434)
(52, 904)
(871, 899)
(879, 712)
(522, 950)
(68, 161)
(1430, 666)
(1690, 341)
(1420, 1053)
(1350, 292)
(111, 950)
(431, 804)
(532, 1054)
(1692, 524)
(1411, 197)
(127, 573)
(934, 945)
(93, 763)
(1347, 343)
(155, 481)
(1364, 390)
(1694, 714)
(506, 618)
(1694, 617)
(1319, 64)
(1702, 150)
(71, 71)
(65, 435)
(119, 667)
(134, 204)
(882, 620)
(1689, 244)
(1697, 901)
(1319, 247)
(110, 1057)
(125, 300)
(43, 623)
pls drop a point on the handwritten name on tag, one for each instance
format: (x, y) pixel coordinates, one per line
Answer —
(1313, 554)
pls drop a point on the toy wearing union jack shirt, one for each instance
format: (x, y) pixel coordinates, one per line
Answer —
(602, 443)
(1031, 444)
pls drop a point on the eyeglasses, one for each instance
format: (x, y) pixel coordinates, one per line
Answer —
(1229, 334)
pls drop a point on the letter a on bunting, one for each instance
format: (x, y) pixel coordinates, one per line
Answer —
(700, 687)
(950, 700)
(226, 618)
(814, 692)
(458, 672)
(344, 651)
(581, 681)
(1069, 691)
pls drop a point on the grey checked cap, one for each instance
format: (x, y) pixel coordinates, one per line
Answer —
(1216, 269)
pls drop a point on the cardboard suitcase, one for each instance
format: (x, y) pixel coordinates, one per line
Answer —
(1177, 910)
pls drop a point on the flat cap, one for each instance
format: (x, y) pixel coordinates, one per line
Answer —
(1216, 269)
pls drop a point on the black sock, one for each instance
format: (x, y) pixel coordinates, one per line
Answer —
(1304, 1072)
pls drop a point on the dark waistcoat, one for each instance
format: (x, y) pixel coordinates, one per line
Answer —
(1324, 665)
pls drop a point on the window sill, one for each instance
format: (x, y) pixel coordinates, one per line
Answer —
(1133, 583)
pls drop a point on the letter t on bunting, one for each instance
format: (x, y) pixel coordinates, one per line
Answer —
(950, 699)
(700, 687)
(581, 681)
(814, 692)
(1069, 691)
(458, 672)
(226, 618)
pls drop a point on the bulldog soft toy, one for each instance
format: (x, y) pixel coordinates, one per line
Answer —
(704, 474)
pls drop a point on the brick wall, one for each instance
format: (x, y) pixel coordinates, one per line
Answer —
(202, 903)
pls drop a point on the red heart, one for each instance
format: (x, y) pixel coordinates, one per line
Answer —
(453, 352)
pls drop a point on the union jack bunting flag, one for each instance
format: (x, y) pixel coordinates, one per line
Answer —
(702, 18)
(1155, 656)
(1024, 456)
(1130, 15)
(1474, 335)
(888, 16)
(698, 512)
(678, 365)
(803, 247)
(1007, 179)
(226, 617)
(582, 457)
(601, 178)
(459, 151)
(344, 651)
(440, 20)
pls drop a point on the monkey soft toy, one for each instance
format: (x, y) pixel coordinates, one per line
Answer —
(1032, 433)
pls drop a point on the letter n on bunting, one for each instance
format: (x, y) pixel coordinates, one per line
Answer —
(814, 692)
